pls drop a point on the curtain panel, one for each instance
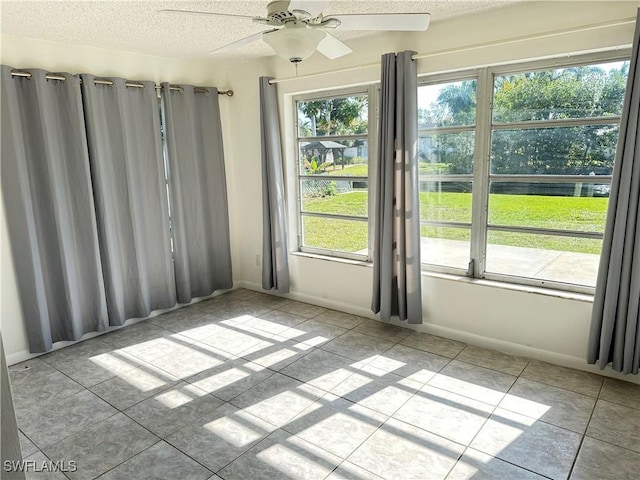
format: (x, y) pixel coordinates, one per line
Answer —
(9, 438)
(46, 187)
(615, 323)
(275, 261)
(396, 250)
(197, 191)
(125, 151)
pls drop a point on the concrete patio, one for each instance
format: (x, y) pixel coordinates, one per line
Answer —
(552, 265)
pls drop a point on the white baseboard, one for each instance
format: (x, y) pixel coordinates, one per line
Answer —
(321, 302)
(459, 335)
(24, 355)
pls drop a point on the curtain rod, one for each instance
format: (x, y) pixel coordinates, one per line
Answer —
(97, 81)
(448, 51)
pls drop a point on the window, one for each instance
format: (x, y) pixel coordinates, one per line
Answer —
(446, 146)
(515, 170)
(333, 149)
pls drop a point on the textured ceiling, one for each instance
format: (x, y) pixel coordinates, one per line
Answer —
(136, 26)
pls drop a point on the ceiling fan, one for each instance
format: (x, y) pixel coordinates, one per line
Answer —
(298, 27)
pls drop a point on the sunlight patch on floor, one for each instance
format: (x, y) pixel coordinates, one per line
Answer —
(175, 398)
(112, 362)
(236, 433)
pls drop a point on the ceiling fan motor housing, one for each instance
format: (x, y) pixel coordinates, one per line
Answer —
(278, 13)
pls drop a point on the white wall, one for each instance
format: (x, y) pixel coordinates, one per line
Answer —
(21, 52)
(527, 321)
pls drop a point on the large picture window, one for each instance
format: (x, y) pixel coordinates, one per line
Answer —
(516, 167)
(333, 151)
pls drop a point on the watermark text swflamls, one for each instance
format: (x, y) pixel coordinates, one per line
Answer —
(42, 466)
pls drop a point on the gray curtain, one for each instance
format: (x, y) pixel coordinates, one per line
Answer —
(275, 261)
(127, 168)
(9, 442)
(198, 192)
(396, 250)
(46, 186)
(615, 321)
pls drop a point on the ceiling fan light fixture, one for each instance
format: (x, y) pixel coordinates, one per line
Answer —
(294, 43)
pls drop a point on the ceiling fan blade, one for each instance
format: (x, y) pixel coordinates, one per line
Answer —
(211, 14)
(313, 7)
(242, 42)
(332, 48)
(408, 22)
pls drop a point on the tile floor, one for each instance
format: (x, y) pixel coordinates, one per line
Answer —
(247, 386)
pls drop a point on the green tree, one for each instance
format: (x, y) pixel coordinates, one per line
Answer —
(333, 116)
(456, 105)
(449, 153)
(577, 92)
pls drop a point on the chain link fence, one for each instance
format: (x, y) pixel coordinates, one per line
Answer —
(323, 188)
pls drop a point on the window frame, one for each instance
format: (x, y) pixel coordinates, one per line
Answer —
(371, 92)
(482, 176)
(453, 77)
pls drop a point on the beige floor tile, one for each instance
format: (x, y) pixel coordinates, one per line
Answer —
(349, 471)
(336, 425)
(615, 424)
(376, 389)
(398, 450)
(553, 405)
(383, 330)
(410, 363)
(282, 456)
(305, 310)
(221, 436)
(531, 444)
(502, 362)
(340, 319)
(622, 393)
(567, 378)
(357, 346)
(443, 413)
(475, 465)
(602, 461)
(278, 399)
(171, 409)
(479, 383)
(102, 446)
(431, 343)
(63, 417)
(321, 369)
(160, 462)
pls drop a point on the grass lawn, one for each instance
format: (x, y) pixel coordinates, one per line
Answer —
(342, 235)
(359, 170)
(569, 213)
(352, 203)
(362, 169)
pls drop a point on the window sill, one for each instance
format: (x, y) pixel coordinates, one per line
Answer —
(329, 258)
(549, 292)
